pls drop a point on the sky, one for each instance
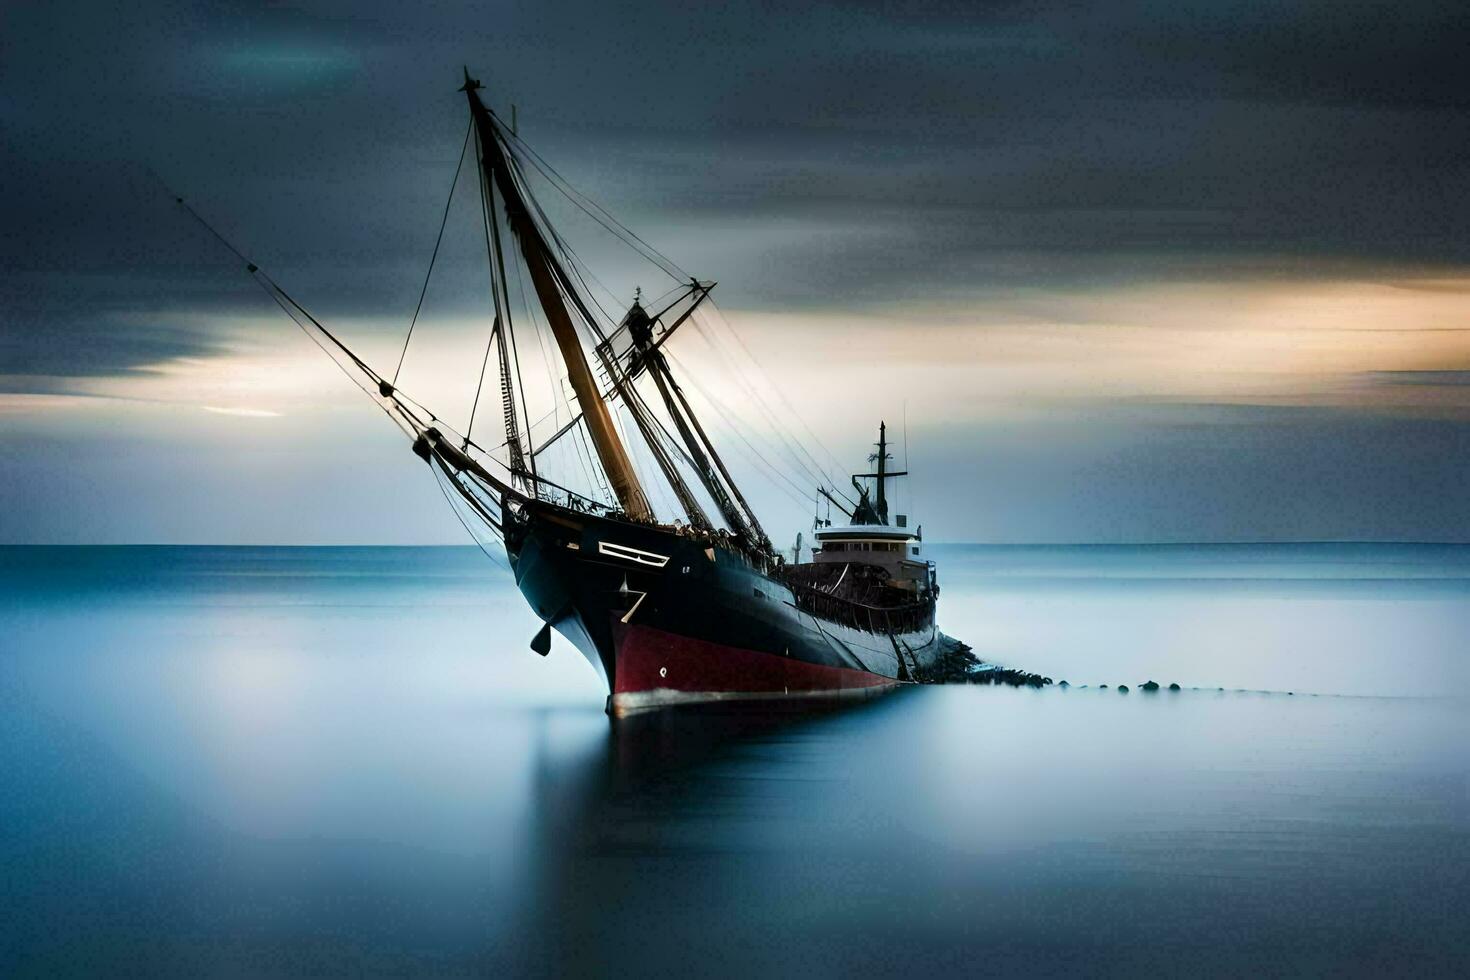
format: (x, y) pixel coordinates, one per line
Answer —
(1122, 272)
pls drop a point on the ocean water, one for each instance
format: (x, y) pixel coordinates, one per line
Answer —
(257, 761)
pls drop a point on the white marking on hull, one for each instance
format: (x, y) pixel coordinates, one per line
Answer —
(637, 555)
(629, 614)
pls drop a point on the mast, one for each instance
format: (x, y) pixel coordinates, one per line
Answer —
(740, 517)
(882, 477)
(649, 427)
(544, 278)
(880, 506)
(609, 358)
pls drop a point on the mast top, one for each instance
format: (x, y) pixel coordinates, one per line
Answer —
(470, 84)
(875, 512)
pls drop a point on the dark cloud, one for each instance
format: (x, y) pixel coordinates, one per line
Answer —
(99, 345)
(807, 155)
(1190, 473)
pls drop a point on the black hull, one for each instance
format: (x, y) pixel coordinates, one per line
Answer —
(593, 578)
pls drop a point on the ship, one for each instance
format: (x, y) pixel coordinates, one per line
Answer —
(692, 607)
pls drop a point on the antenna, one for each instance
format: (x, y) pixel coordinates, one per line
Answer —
(906, 441)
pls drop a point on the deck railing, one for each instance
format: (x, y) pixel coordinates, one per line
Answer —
(907, 618)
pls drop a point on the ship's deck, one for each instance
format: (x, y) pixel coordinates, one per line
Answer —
(859, 596)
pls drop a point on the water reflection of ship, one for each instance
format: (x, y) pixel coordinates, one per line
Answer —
(693, 606)
(666, 796)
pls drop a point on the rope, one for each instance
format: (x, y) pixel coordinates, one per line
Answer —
(813, 470)
(733, 427)
(407, 409)
(437, 241)
(577, 197)
(497, 290)
(486, 218)
(469, 530)
(790, 412)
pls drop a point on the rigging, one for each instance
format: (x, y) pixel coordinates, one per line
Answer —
(626, 359)
(438, 240)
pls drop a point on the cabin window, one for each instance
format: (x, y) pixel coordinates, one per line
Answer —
(893, 547)
(916, 549)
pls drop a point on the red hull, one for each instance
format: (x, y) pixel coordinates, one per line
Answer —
(656, 668)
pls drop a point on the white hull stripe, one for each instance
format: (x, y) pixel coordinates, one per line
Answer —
(634, 702)
(634, 555)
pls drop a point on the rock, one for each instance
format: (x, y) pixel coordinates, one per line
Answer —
(1063, 684)
(1149, 686)
(1122, 688)
(1102, 687)
(1173, 687)
(957, 664)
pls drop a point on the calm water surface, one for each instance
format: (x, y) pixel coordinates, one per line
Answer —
(286, 761)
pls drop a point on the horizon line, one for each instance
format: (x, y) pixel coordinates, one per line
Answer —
(950, 544)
